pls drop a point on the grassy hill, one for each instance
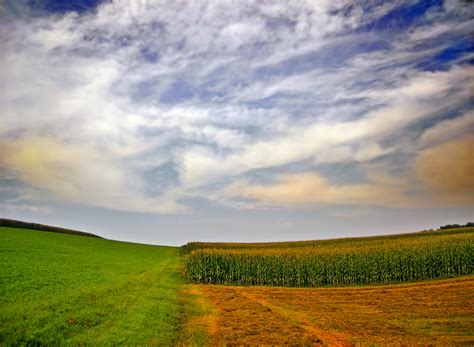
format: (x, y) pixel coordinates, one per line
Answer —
(60, 288)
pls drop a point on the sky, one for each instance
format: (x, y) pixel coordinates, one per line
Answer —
(165, 122)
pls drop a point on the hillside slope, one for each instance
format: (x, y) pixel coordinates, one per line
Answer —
(60, 288)
(13, 223)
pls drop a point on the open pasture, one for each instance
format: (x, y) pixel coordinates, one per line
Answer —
(67, 289)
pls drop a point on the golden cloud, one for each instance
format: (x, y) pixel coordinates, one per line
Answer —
(54, 165)
(78, 173)
(448, 170)
(312, 188)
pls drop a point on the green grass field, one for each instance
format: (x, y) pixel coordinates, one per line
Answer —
(58, 288)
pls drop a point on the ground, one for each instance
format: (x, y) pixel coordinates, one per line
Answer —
(76, 290)
(428, 313)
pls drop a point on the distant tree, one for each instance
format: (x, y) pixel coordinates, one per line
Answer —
(455, 226)
(12, 223)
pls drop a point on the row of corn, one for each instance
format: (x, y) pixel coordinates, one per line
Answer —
(336, 263)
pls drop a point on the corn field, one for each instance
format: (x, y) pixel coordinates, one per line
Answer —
(389, 259)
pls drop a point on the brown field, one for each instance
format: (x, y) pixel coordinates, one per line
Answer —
(428, 313)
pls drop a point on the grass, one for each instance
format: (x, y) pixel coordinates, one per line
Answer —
(58, 288)
(196, 319)
(358, 261)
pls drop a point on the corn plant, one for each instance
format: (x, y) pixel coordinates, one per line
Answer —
(411, 257)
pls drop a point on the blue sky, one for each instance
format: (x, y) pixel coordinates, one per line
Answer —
(165, 122)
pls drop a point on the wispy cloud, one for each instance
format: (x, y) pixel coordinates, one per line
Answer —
(449, 129)
(141, 105)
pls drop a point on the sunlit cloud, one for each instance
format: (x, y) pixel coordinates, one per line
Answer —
(78, 173)
(310, 188)
(448, 169)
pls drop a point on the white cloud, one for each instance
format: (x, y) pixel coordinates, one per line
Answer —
(448, 129)
(263, 91)
(299, 143)
(346, 153)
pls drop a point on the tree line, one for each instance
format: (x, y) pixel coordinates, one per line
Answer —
(456, 226)
(12, 223)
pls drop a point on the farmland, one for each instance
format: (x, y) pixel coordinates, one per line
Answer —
(432, 313)
(58, 288)
(358, 261)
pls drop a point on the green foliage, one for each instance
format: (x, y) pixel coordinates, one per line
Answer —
(457, 226)
(12, 223)
(389, 259)
(68, 289)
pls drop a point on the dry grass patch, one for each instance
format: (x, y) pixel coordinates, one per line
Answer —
(430, 313)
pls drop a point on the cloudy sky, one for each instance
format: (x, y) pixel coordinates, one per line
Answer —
(170, 121)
